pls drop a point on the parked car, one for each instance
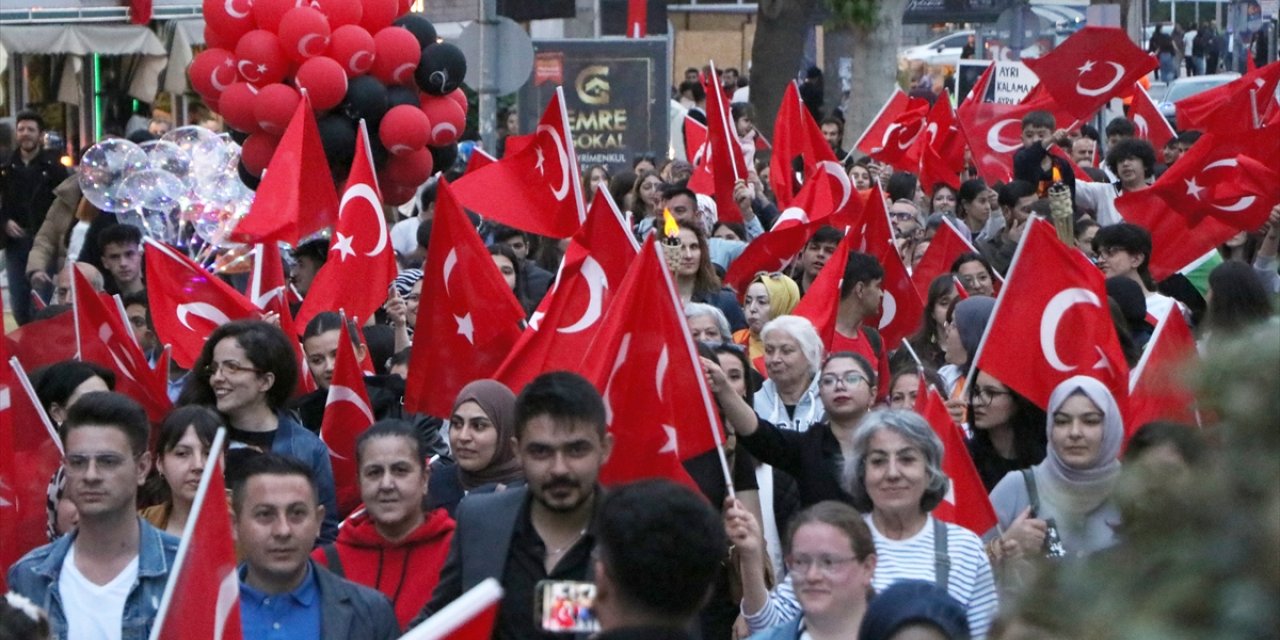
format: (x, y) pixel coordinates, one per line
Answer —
(1185, 88)
(943, 51)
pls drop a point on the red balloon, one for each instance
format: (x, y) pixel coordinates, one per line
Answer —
(379, 14)
(304, 33)
(340, 12)
(274, 107)
(447, 119)
(236, 106)
(215, 40)
(353, 48)
(405, 7)
(397, 56)
(268, 14)
(404, 129)
(257, 150)
(397, 194)
(212, 71)
(461, 98)
(259, 58)
(230, 19)
(410, 169)
(324, 81)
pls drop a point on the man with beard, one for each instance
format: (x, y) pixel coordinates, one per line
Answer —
(27, 180)
(542, 531)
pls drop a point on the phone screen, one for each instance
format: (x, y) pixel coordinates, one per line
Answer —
(567, 606)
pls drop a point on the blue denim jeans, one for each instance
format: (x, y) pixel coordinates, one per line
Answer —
(15, 267)
(1168, 71)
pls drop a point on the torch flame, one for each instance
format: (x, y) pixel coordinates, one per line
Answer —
(1057, 175)
(669, 226)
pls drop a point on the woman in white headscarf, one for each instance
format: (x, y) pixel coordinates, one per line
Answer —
(1063, 506)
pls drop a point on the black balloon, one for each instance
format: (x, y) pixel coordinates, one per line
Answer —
(366, 98)
(378, 150)
(401, 94)
(442, 69)
(247, 178)
(237, 136)
(338, 137)
(420, 27)
(442, 158)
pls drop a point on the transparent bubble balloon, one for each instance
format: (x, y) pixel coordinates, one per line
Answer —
(219, 189)
(163, 155)
(154, 189)
(162, 224)
(103, 170)
(133, 218)
(208, 150)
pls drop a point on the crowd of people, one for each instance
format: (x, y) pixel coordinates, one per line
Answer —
(830, 530)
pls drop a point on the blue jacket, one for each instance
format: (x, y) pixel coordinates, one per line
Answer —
(36, 577)
(784, 631)
(294, 440)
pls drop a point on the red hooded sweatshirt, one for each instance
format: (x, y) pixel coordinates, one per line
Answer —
(405, 571)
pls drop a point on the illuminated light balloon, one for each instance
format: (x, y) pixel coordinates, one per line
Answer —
(447, 119)
(212, 71)
(442, 68)
(269, 14)
(236, 107)
(340, 12)
(404, 129)
(260, 58)
(274, 107)
(304, 33)
(153, 189)
(256, 152)
(324, 81)
(396, 56)
(208, 151)
(103, 170)
(352, 47)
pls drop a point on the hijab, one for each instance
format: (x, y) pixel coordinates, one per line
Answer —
(499, 404)
(970, 317)
(784, 295)
(1077, 492)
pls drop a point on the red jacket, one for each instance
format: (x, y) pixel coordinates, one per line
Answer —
(406, 572)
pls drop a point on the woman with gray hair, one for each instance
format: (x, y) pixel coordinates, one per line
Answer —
(895, 477)
(707, 323)
(792, 355)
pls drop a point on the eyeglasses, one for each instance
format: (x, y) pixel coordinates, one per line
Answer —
(987, 395)
(828, 565)
(971, 280)
(849, 379)
(78, 463)
(228, 367)
(902, 215)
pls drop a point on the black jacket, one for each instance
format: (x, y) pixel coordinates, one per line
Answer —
(812, 457)
(26, 190)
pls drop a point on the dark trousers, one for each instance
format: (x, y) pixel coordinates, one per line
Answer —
(15, 259)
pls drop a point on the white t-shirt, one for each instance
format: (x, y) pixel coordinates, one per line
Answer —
(94, 612)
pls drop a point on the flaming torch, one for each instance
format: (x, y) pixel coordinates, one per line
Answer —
(1060, 209)
(670, 240)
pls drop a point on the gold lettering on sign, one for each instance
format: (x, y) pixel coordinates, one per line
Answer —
(592, 84)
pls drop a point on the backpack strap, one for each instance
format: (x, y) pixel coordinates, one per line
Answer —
(941, 559)
(1033, 496)
(332, 561)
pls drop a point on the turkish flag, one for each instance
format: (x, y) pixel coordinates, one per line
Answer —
(535, 189)
(942, 148)
(1025, 344)
(795, 135)
(469, 318)
(1238, 106)
(946, 246)
(187, 302)
(361, 264)
(104, 338)
(1058, 152)
(645, 366)
(202, 597)
(30, 453)
(568, 318)
(470, 617)
(347, 414)
(723, 164)
(966, 502)
(43, 342)
(1252, 178)
(994, 131)
(1092, 66)
(903, 124)
(1146, 117)
(876, 133)
(1158, 387)
(637, 18)
(901, 309)
(267, 277)
(296, 197)
(481, 158)
(695, 140)
(826, 191)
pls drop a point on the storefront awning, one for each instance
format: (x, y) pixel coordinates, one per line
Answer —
(81, 40)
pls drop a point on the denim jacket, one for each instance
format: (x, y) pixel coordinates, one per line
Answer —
(294, 440)
(36, 577)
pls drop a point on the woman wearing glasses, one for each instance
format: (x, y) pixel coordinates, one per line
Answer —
(247, 370)
(1008, 430)
(831, 559)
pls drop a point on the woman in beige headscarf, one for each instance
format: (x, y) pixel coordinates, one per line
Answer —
(769, 296)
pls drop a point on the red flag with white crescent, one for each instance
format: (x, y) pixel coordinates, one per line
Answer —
(1147, 119)
(470, 617)
(966, 502)
(1158, 385)
(795, 134)
(1089, 68)
(723, 164)
(347, 414)
(187, 302)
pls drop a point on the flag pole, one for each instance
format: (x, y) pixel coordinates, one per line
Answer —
(457, 613)
(21, 375)
(188, 531)
(986, 331)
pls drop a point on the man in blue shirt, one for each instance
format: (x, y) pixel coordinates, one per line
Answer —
(283, 594)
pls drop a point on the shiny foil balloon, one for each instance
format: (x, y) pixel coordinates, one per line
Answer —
(103, 170)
